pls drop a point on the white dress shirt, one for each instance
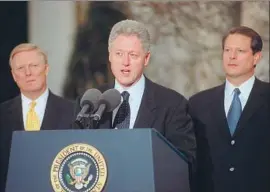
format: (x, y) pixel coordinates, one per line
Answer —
(245, 89)
(39, 108)
(135, 98)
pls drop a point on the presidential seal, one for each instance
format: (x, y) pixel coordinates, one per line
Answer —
(79, 168)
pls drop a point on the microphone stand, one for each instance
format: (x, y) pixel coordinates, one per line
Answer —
(86, 121)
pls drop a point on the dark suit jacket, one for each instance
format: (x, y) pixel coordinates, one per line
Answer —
(238, 163)
(166, 111)
(58, 115)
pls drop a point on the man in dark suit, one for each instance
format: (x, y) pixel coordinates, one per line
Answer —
(232, 121)
(145, 104)
(37, 108)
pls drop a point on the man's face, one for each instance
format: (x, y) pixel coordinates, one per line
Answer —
(128, 59)
(30, 72)
(238, 59)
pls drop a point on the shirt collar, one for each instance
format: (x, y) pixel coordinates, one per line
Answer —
(42, 98)
(245, 88)
(136, 88)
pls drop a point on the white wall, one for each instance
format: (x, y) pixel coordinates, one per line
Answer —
(52, 26)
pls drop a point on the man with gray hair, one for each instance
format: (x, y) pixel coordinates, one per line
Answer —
(145, 104)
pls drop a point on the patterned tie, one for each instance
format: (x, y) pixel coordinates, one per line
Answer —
(122, 118)
(32, 120)
(234, 111)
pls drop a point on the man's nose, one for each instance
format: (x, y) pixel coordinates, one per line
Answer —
(27, 70)
(233, 55)
(126, 60)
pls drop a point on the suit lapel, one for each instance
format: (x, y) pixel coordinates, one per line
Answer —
(106, 121)
(15, 114)
(51, 114)
(218, 112)
(146, 115)
(254, 102)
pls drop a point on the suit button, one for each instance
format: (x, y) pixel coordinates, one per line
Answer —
(232, 142)
(231, 169)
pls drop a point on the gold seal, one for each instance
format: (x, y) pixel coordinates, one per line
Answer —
(79, 167)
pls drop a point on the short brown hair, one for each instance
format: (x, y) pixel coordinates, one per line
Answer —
(256, 40)
(26, 47)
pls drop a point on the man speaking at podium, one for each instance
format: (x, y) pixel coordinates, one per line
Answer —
(145, 104)
(37, 108)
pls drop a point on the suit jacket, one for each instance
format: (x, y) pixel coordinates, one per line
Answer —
(166, 111)
(58, 115)
(238, 163)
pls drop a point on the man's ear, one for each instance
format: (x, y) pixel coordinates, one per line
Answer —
(147, 59)
(47, 68)
(257, 58)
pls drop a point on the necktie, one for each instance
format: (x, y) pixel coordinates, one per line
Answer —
(122, 118)
(234, 111)
(32, 120)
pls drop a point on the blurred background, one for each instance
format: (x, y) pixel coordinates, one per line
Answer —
(186, 40)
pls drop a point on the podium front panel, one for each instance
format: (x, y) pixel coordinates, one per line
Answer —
(34, 155)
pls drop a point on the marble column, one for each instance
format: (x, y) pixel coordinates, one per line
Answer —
(52, 25)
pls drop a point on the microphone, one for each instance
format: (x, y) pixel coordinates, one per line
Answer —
(108, 101)
(89, 103)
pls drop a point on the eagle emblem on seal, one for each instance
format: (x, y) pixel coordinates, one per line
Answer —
(79, 173)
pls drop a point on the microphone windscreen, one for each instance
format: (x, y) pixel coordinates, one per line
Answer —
(112, 98)
(91, 97)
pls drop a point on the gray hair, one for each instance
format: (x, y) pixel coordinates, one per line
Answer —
(130, 27)
(27, 47)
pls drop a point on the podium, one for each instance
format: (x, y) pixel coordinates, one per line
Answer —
(109, 160)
